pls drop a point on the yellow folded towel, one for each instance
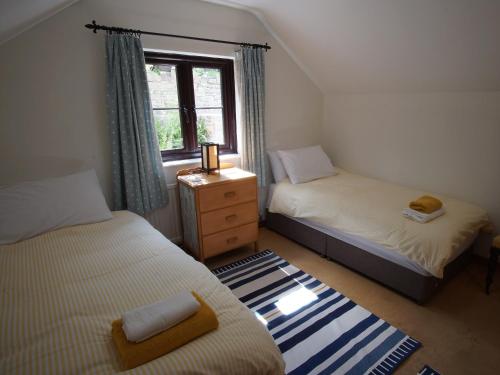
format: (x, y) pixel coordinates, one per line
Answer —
(426, 204)
(136, 354)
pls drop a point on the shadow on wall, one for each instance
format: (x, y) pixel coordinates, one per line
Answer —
(39, 167)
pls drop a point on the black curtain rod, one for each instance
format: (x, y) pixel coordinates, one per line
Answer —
(93, 26)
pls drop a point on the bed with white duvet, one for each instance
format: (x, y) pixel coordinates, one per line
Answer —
(366, 213)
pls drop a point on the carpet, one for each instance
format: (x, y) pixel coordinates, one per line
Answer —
(317, 329)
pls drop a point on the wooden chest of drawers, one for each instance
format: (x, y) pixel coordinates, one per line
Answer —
(219, 211)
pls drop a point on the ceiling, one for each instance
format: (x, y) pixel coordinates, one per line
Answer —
(389, 45)
(359, 45)
(16, 16)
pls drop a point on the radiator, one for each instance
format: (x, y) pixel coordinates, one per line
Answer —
(167, 219)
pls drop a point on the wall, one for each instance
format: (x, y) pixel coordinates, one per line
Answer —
(52, 92)
(441, 142)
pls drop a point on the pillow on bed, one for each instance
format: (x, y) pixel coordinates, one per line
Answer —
(277, 168)
(306, 164)
(32, 208)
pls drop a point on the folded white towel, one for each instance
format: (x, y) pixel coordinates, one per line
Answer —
(422, 217)
(146, 321)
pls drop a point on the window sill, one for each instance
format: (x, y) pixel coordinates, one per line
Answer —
(175, 163)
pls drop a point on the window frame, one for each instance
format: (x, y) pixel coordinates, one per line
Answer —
(185, 92)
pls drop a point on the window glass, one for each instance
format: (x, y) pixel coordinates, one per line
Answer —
(208, 100)
(210, 125)
(193, 101)
(162, 81)
(168, 129)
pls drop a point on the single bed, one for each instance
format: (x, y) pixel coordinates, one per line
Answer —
(61, 290)
(357, 221)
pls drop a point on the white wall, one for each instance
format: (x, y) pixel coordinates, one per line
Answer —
(441, 142)
(52, 91)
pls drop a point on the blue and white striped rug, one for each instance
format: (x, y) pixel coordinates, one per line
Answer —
(317, 329)
(427, 370)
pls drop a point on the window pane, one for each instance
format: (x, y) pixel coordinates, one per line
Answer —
(210, 125)
(162, 81)
(168, 128)
(207, 87)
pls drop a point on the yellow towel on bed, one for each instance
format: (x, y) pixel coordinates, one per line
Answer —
(136, 354)
(426, 204)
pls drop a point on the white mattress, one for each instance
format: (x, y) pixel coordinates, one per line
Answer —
(361, 243)
(375, 248)
(366, 213)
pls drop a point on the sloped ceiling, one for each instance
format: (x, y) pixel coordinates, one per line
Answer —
(359, 45)
(389, 45)
(16, 16)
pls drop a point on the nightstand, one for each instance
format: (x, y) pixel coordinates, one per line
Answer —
(219, 211)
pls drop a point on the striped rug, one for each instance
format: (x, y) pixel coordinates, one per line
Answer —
(427, 370)
(317, 329)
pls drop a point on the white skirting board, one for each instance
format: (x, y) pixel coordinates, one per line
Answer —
(167, 219)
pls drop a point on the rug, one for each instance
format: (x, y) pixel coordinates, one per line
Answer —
(427, 370)
(317, 329)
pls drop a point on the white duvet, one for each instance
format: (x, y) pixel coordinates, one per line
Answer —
(371, 209)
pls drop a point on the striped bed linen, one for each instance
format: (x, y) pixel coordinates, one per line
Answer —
(60, 291)
(317, 329)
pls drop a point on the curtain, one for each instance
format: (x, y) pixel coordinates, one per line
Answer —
(251, 73)
(138, 180)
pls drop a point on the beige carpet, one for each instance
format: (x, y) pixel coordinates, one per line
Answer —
(459, 328)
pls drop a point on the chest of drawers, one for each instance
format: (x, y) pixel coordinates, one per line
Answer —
(219, 211)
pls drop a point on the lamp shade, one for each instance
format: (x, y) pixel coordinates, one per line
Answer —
(210, 157)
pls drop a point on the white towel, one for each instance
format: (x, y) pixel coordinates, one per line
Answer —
(146, 321)
(422, 217)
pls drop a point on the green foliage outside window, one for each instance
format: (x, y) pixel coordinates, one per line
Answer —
(202, 131)
(168, 129)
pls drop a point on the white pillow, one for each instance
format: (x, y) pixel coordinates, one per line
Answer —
(277, 168)
(306, 164)
(32, 208)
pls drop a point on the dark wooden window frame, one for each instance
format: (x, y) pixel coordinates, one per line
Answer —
(184, 66)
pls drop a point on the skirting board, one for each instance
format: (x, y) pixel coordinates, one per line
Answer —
(418, 287)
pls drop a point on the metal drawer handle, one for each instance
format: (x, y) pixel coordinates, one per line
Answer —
(232, 239)
(229, 194)
(231, 217)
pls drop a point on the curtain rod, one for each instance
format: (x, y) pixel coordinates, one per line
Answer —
(93, 26)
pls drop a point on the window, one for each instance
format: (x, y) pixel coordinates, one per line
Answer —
(193, 102)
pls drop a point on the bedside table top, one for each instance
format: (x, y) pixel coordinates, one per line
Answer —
(199, 180)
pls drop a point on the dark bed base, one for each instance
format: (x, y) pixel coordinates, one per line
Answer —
(411, 284)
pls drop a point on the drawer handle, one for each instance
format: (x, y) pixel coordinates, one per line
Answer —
(231, 217)
(230, 194)
(232, 239)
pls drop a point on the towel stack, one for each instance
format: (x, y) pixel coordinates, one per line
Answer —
(424, 209)
(151, 331)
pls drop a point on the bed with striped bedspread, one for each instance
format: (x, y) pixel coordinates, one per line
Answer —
(60, 291)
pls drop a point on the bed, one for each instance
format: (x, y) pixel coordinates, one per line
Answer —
(61, 290)
(357, 221)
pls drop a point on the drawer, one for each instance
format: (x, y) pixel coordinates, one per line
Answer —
(229, 239)
(227, 195)
(229, 217)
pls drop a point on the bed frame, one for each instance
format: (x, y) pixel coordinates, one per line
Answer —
(418, 287)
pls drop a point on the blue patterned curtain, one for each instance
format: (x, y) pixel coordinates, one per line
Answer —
(138, 180)
(251, 75)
